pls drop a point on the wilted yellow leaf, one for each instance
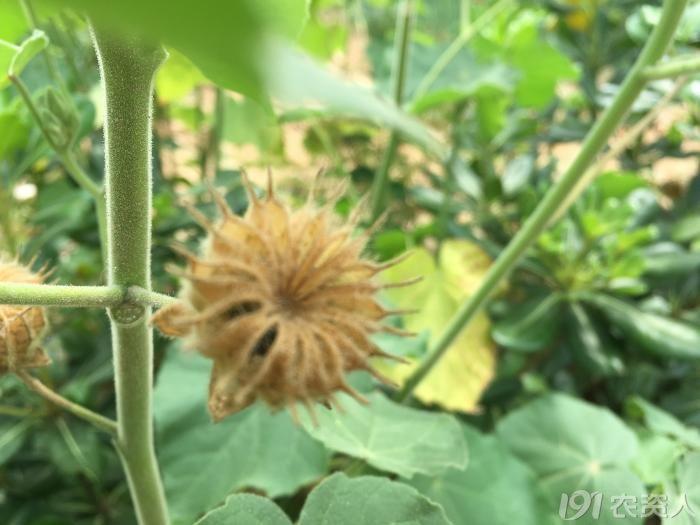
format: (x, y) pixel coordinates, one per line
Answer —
(458, 379)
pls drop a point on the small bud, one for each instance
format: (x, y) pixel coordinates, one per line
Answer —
(22, 328)
(61, 120)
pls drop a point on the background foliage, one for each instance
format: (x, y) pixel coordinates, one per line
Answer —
(582, 374)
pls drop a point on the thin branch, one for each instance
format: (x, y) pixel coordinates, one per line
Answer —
(67, 296)
(67, 158)
(101, 422)
(140, 295)
(595, 141)
(676, 67)
(61, 295)
(401, 45)
(618, 148)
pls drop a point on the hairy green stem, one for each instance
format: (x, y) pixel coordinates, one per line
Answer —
(101, 422)
(676, 67)
(127, 67)
(402, 41)
(595, 141)
(61, 295)
(80, 296)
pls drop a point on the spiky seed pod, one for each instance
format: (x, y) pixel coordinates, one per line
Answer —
(21, 328)
(282, 302)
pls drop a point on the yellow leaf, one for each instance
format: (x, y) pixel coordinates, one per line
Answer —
(457, 381)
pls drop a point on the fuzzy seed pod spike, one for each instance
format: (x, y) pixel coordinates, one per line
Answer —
(281, 301)
(22, 328)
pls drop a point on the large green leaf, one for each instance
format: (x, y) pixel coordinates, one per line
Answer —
(392, 437)
(177, 77)
(457, 381)
(297, 81)
(494, 489)
(238, 46)
(13, 23)
(369, 500)
(246, 509)
(572, 445)
(221, 38)
(203, 462)
(659, 335)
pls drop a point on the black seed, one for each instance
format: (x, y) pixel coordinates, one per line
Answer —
(246, 307)
(262, 347)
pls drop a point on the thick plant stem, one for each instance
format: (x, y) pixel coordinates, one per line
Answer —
(127, 68)
(595, 141)
(402, 41)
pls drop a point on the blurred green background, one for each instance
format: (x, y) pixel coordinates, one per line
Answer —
(583, 373)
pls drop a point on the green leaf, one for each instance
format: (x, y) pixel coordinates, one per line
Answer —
(246, 509)
(222, 39)
(463, 77)
(392, 437)
(369, 500)
(657, 457)
(618, 185)
(659, 335)
(523, 46)
(531, 327)
(572, 445)
(668, 258)
(177, 77)
(589, 346)
(202, 462)
(287, 17)
(12, 436)
(495, 488)
(661, 422)
(687, 229)
(297, 81)
(684, 498)
(243, 51)
(517, 173)
(13, 23)
(246, 122)
(14, 133)
(13, 59)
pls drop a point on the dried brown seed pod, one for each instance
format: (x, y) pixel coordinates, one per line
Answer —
(283, 303)
(22, 328)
